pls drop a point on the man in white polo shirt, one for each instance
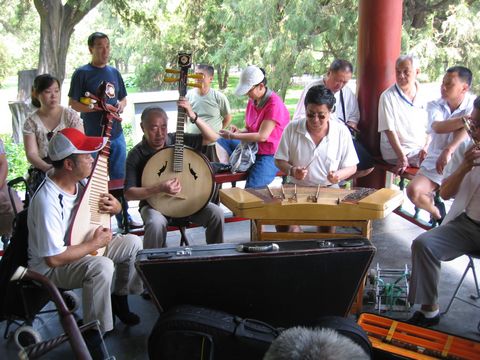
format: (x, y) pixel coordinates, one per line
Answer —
(402, 118)
(446, 128)
(346, 110)
(315, 150)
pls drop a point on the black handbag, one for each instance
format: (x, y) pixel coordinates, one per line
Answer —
(219, 167)
(194, 332)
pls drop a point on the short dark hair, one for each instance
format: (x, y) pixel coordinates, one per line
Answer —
(320, 95)
(151, 110)
(96, 35)
(463, 73)
(58, 164)
(208, 68)
(264, 81)
(41, 83)
(341, 65)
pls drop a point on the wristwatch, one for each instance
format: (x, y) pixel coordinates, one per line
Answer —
(194, 120)
(290, 170)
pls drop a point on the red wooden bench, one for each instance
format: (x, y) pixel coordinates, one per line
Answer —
(408, 174)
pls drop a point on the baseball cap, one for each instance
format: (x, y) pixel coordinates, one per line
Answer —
(72, 141)
(250, 76)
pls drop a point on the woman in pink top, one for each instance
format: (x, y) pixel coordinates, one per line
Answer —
(266, 117)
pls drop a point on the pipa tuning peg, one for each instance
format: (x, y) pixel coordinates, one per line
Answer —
(194, 85)
(170, 80)
(172, 71)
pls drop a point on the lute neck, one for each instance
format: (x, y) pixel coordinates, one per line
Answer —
(179, 143)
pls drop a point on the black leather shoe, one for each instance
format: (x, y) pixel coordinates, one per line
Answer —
(419, 319)
(121, 310)
(146, 295)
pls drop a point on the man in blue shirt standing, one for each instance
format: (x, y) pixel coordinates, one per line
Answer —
(87, 78)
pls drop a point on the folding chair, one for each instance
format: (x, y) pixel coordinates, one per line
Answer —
(476, 296)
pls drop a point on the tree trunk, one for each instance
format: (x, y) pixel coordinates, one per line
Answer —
(226, 74)
(280, 78)
(219, 76)
(57, 24)
(222, 76)
(25, 82)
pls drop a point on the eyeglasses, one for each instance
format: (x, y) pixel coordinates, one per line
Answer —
(50, 135)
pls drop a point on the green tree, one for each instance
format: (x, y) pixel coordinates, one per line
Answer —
(4, 61)
(57, 24)
(285, 37)
(450, 35)
(19, 29)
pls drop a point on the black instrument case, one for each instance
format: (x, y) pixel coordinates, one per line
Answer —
(285, 283)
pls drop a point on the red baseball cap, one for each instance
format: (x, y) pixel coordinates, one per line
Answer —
(72, 141)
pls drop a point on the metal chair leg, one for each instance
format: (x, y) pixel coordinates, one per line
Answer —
(477, 289)
(454, 296)
(184, 237)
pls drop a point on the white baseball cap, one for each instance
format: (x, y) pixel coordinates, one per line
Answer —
(250, 76)
(72, 141)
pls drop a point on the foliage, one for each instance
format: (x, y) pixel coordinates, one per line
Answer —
(284, 37)
(4, 63)
(19, 33)
(17, 160)
(130, 83)
(447, 38)
(149, 77)
(128, 133)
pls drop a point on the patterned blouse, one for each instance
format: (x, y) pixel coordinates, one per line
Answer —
(34, 125)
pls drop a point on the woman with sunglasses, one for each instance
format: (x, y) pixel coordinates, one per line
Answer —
(39, 127)
(265, 118)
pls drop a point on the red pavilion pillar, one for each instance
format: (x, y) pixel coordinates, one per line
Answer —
(379, 43)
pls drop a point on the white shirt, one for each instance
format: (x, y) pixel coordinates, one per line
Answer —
(351, 104)
(457, 158)
(334, 152)
(48, 221)
(465, 199)
(438, 110)
(408, 120)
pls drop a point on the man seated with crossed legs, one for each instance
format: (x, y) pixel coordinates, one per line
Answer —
(459, 233)
(446, 129)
